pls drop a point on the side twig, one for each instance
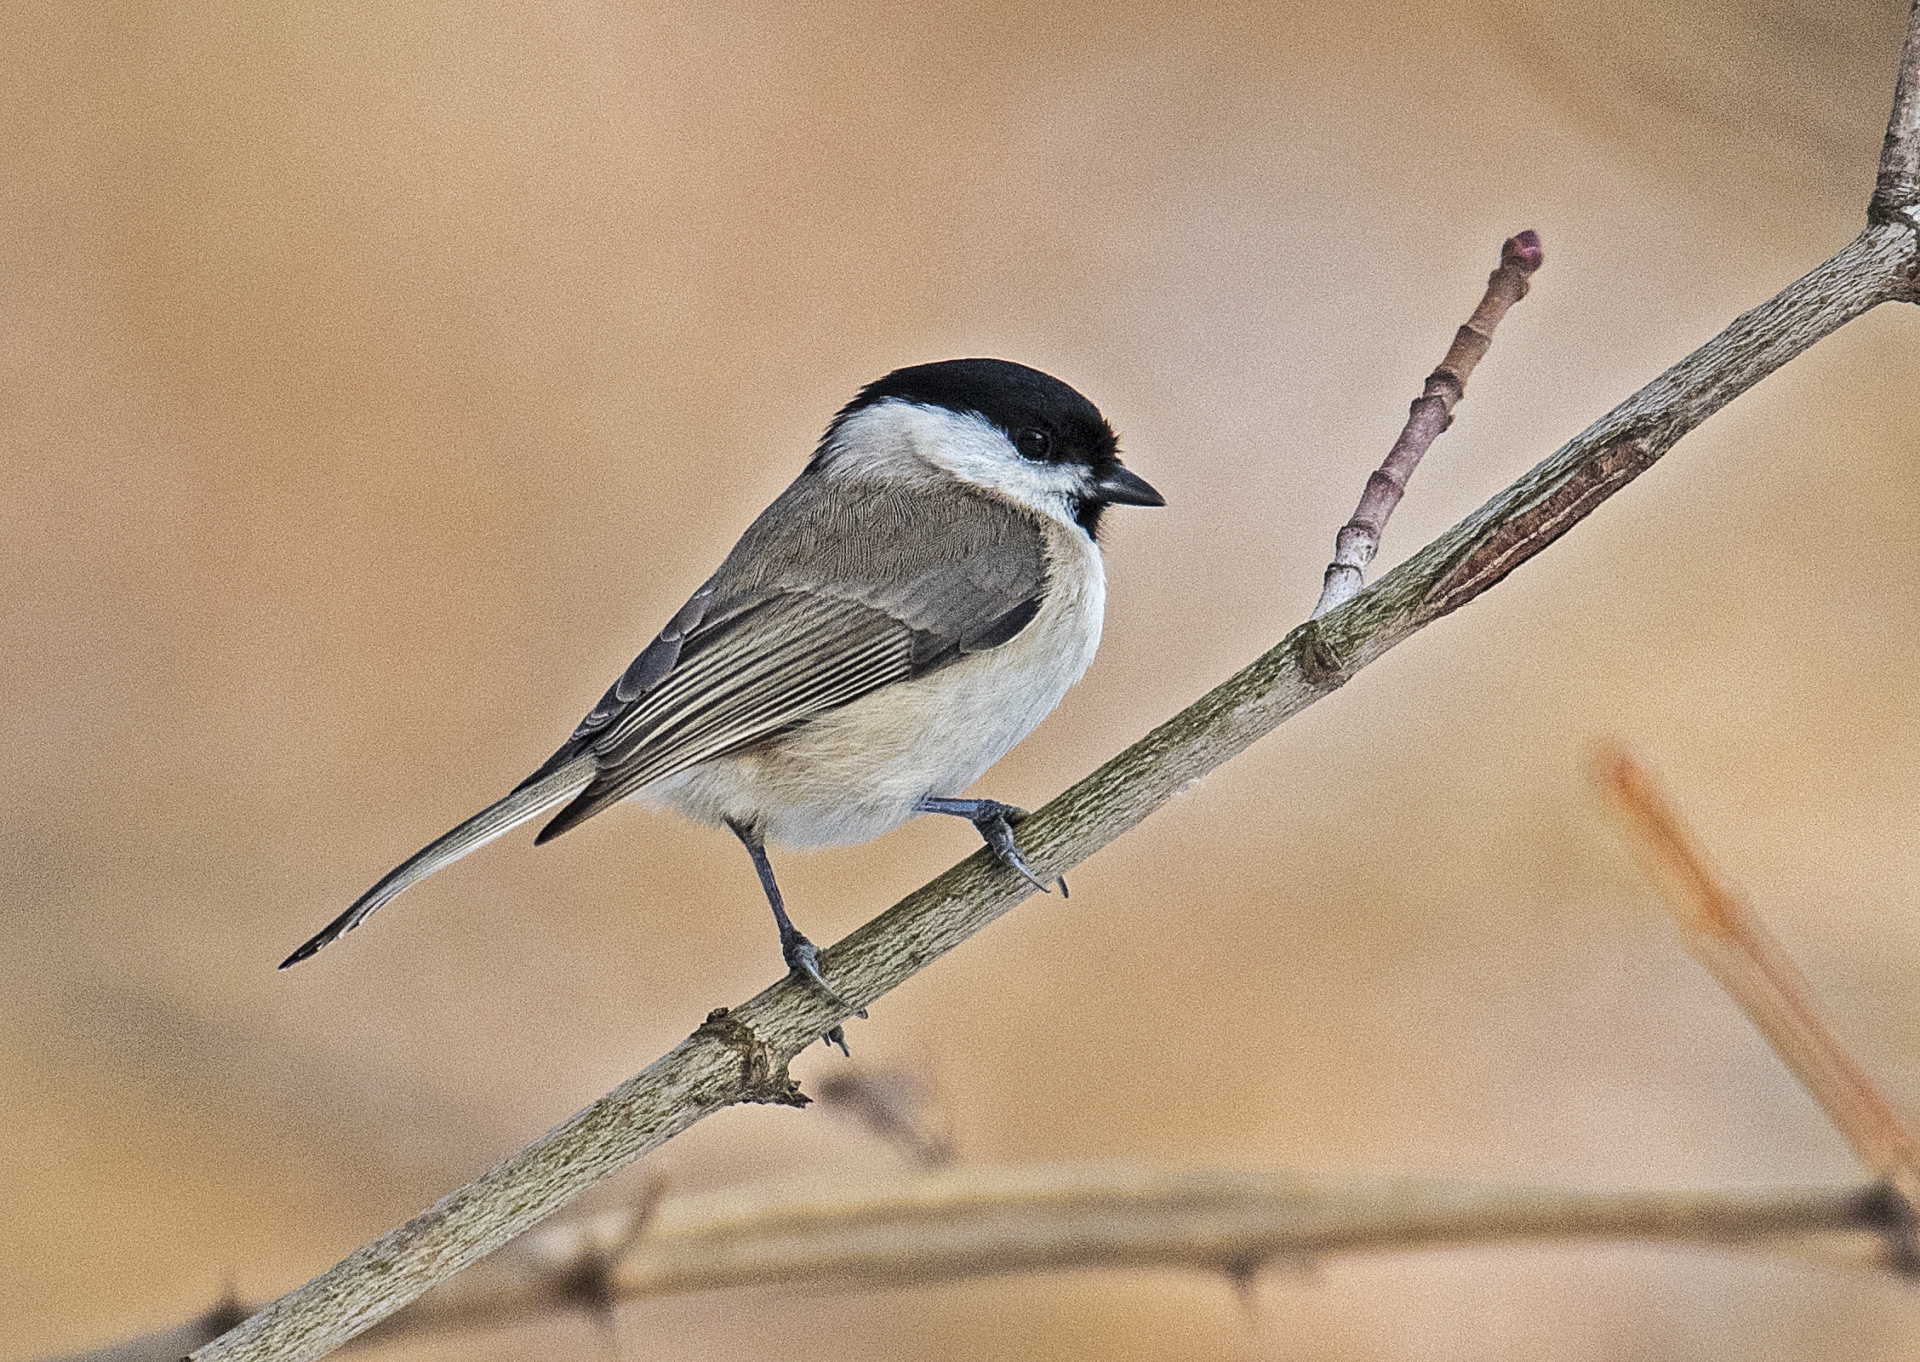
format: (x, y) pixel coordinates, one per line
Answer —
(919, 1228)
(1896, 189)
(1723, 934)
(1430, 415)
(741, 1055)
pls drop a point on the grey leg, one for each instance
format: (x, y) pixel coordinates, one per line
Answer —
(994, 822)
(801, 955)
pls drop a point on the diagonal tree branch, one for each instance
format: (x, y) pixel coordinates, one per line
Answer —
(741, 1055)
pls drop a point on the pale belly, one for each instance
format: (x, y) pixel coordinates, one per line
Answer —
(855, 773)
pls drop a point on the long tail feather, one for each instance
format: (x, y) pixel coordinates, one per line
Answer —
(529, 801)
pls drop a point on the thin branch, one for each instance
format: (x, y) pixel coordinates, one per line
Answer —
(970, 1222)
(918, 1229)
(1896, 189)
(1430, 414)
(741, 1055)
(1723, 934)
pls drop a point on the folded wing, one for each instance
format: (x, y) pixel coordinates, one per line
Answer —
(837, 591)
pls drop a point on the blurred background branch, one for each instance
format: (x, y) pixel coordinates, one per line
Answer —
(952, 1224)
(1722, 932)
(902, 1106)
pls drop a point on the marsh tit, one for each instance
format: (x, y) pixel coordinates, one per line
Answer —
(902, 615)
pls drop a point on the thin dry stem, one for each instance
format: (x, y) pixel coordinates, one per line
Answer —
(942, 1225)
(916, 1229)
(1430, 414)
(1724, 935)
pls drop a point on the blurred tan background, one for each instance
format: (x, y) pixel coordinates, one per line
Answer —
(375, 384)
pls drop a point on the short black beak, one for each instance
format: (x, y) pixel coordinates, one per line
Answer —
(1121, 487)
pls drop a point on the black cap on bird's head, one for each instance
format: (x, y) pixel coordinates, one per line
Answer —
(1044, 419)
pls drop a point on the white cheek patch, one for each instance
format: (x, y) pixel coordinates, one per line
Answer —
(969, 447)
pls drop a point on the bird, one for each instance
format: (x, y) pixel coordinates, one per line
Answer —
(904, 613)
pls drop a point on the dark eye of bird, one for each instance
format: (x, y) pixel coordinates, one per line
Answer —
(1034, 444)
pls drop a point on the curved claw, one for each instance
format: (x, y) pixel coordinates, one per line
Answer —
(994, 827)
(994, 822)
(803, 957)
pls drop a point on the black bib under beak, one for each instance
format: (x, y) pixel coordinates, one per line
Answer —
(1122, 487)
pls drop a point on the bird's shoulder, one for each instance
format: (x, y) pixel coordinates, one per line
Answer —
(933, 553)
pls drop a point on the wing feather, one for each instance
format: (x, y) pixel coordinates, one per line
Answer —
(836, 591)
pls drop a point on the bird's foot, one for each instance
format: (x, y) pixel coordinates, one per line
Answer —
(803, 957)
(995, 823)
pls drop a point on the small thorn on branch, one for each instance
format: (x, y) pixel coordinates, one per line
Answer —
(1430, 414)
(1724, 934)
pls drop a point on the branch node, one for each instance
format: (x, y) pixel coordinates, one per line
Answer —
(1907, 290)
(762, 1078)
(1357, 540)
(1445, 384)
(1320, 664)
